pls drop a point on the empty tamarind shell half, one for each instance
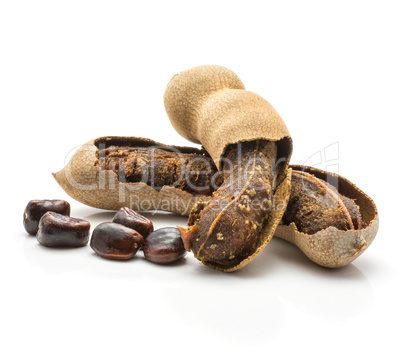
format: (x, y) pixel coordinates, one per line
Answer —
(331, 246)
(210, 106)
(112, 172)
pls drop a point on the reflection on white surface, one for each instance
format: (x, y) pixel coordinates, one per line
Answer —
(247, 315)
(334, 295)
(247, 307)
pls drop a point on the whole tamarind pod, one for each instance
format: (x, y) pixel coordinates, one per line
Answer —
(113, 172)
(328, 217)
(209, 105)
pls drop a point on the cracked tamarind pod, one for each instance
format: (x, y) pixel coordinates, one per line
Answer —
(328, 217)
(314, 220)
(209, 105)
(315, 205)
(112, 172)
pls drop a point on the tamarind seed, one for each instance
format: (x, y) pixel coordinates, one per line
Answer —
(57, 230)
(164, 246)
(111, 240)
(130, 218)
(36, 208)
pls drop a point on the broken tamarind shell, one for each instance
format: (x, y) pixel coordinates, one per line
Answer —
(209, 105)
(328, 217)
(310, 229)
(112, 172)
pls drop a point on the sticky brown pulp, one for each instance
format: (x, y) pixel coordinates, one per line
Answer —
(157, 167)
(315, 205)
(228, 227)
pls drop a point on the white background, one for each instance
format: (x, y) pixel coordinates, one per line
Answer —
(71, 71)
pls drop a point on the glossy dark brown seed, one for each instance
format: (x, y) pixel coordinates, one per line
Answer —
(115, 241)
(164, 246)
(57, 230)
(36, 208)
(133, 220)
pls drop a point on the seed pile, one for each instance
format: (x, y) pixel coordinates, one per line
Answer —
(118, 239)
